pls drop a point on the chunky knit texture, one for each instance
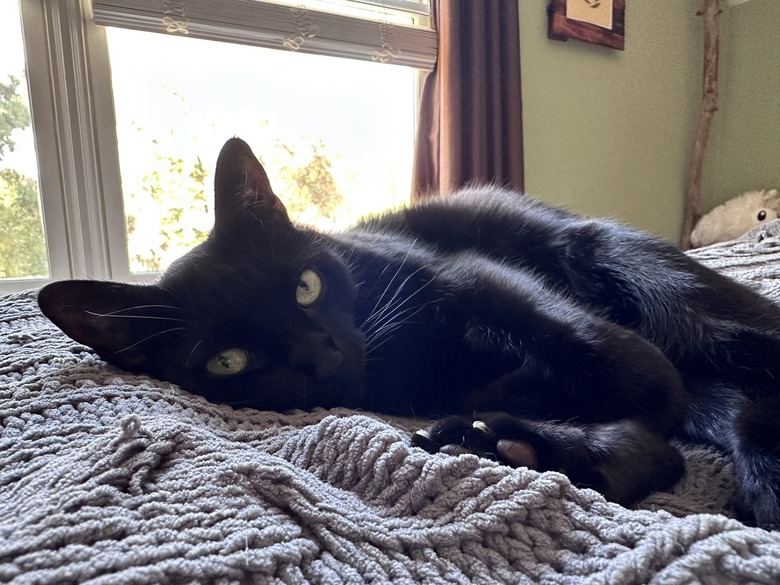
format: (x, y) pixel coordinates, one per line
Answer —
(108, 477)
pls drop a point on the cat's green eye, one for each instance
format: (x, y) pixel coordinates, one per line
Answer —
(228, 362)
(309, 288)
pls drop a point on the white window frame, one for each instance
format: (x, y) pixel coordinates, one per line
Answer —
(74, 129)
(291, 26)
(75, 139)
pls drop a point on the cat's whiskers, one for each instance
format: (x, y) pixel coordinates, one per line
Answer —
(377, 315)
(189, 357)
(384, 332)
(153, 335)
(395, 318)
(397, 272)
(378, 311)
(149, 317)
(118, 313)
(384, 322)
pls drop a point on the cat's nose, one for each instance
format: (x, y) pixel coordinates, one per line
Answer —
(329, 360)
(319, 355)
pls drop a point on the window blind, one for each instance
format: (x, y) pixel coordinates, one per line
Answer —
(415, 6)
(263, 24)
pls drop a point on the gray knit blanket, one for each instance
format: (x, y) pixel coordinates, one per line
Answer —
(109, 477)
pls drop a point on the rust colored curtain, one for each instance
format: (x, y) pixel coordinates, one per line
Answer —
(470, 117)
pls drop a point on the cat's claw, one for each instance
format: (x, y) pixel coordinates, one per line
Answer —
(456, 436)
(422, 438)
(481, 426)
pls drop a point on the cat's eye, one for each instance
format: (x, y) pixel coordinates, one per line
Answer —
(228, 362)
(761, 215)
(309, 288)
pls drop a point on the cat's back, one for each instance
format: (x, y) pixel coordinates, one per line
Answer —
(499, 223)
(461, 213)
(484, 205)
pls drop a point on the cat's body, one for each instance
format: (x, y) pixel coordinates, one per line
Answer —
(586, 344)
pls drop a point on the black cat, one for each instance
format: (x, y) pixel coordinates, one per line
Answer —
(584, 346)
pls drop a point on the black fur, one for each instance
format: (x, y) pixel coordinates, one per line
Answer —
(587, 344)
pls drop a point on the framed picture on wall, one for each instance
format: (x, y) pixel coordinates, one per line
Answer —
(602, 22)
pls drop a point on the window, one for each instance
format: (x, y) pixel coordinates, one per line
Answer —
(22, 243)
(325, 143)
(128, 122)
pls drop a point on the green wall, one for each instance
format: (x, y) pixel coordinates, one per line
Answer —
(744, 151)
(609, 132)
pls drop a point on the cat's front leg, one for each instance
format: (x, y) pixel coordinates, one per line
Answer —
(623, 460)
(621, 397)
(570, 363)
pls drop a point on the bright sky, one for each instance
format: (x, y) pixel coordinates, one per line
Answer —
(10, 38)
(12, 63)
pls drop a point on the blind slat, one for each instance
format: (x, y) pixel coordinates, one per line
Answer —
(261, 24)
(405, 5)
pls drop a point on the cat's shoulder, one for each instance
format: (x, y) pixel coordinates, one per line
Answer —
(481, 196)
(474, 203)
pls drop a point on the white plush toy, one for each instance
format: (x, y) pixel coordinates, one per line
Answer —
(736, 217)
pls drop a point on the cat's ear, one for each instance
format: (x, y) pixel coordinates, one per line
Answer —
(242, 191)
(116, 320)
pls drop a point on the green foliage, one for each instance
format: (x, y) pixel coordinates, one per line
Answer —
(310, 189)
(14, 113)
(22, 249)
(169, 215)
(171, 211)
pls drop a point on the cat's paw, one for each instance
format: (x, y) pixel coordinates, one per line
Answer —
(622, 459)
(458, 435)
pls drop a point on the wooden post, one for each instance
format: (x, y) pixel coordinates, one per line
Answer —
(709, 11)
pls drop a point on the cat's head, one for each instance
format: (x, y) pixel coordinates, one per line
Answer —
(260, 314)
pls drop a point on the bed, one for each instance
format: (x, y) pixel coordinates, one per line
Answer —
(110, 477)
